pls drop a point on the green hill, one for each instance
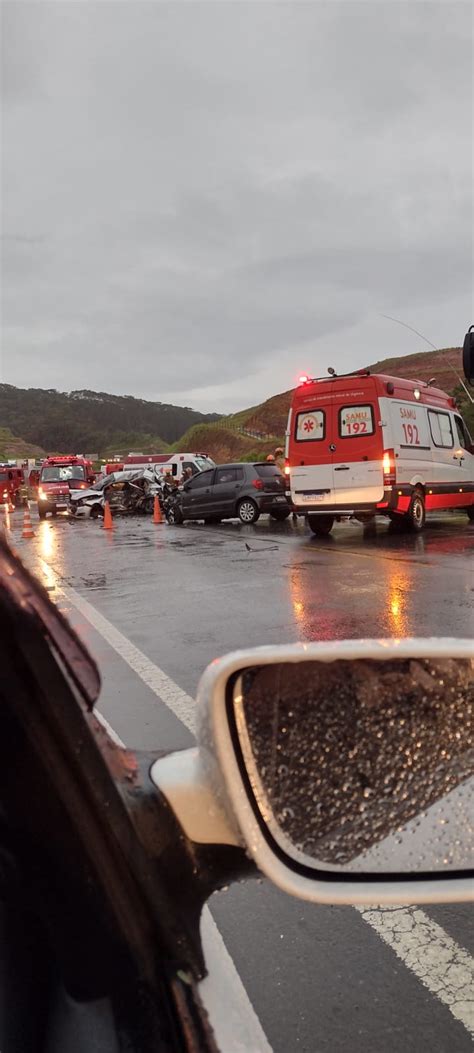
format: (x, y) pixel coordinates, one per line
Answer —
(13, 448)
(224, 443)
(93, 420)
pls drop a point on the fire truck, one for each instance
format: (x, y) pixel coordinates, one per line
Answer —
(58, 476)
(11, 484)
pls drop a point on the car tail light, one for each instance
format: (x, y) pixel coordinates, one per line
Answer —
(257, 483)
(388, 465)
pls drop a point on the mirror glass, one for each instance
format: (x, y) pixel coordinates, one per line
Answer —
(362, 766)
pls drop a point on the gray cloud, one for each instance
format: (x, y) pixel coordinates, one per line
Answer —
(199, 196)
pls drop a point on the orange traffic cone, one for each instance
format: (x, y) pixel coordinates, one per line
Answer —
(157, 516)
(27, 524)
(108, 521)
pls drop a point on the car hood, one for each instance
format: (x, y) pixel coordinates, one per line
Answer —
(76, 494)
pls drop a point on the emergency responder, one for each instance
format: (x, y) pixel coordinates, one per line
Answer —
(280, 458)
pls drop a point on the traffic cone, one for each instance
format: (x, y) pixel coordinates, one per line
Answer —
(108, 521)
(27, 524)
(157, 516)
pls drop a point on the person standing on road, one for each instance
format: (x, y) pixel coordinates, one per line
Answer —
(280, 461)
(280, 458)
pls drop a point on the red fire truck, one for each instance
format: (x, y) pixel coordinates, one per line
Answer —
(58, 476)
(11, 483)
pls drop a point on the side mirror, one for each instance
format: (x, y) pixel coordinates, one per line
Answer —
(468, 355)
(345, 769)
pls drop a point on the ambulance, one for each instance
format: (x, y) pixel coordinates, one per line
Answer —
(367, 444)
(174, 464)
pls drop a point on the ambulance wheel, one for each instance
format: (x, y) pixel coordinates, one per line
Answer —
(321, 525)
(42, 513)
(470, 512)
(416, 514)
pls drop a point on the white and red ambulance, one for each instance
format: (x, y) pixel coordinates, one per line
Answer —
(173, 463)
(363, 445)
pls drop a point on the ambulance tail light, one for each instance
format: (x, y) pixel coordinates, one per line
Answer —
(286, 469)
(388, 465)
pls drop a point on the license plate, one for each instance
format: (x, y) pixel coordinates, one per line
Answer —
(312, 499)
(280, 499)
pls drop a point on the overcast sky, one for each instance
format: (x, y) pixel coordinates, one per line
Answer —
(201, 200)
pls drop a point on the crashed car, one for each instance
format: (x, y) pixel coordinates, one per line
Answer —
(126, 492)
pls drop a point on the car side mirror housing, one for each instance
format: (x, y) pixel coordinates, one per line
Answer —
(345, 769)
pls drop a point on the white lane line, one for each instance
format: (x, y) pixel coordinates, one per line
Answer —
(444, 968)
(181, 704)
(233, 1018)
(422, 945)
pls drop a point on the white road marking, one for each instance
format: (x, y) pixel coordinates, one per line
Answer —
(446, 969)
(181, 704)
(234, 1019)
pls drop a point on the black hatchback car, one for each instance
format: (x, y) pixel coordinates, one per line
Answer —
(242, 490)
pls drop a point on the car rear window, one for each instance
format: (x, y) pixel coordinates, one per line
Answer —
(267, 471)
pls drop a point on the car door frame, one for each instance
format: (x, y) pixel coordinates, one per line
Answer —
(194, 505)
(225, 501)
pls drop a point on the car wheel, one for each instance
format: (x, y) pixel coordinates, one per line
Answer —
(280, 516)
(42, 513)
(470, 512)
(95, 512)
(174, 516)
(416, 514)
(321, 525)
(247, 510)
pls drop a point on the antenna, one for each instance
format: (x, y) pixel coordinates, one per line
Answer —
(425, 338)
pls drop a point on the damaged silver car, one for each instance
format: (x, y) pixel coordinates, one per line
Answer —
(126, 492)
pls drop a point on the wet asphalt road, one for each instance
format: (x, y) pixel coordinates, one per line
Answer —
(319, 977)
